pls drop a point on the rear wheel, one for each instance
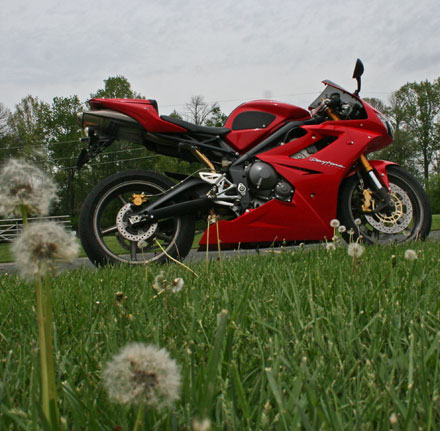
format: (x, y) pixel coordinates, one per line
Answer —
(410, 218)
(108, 238)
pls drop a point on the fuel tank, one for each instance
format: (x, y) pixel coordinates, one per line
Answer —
(251, 122)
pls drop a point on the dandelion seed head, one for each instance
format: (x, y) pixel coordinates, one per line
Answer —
(355, 250)
(24, 185)
(342, 229)
(159, 282)
(334, 223)
(41, 245)
(358, 222)
(142, 244)
(203, 425)
(393, 419)
(410, 255)
(177, 285)
(393, 260)
(142, 373)
(330, 246)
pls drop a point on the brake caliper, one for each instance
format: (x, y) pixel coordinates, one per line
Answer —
(368, 197)
(138, 199)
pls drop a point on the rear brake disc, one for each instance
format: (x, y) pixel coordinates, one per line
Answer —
(127, 231)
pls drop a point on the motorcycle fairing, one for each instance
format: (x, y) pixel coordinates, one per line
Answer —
(251, 122)
(273, 222)
(316, 180)
(144, 111)
(380, 166)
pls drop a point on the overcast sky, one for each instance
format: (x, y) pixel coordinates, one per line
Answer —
(228, 51)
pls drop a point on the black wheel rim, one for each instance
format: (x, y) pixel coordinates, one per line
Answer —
(402, 224)
(114, 242)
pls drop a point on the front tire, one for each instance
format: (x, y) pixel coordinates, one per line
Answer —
(107, 238)
(410, 219)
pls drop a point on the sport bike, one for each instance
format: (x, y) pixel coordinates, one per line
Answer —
(274, 174)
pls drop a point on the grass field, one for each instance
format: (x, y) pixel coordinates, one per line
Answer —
(309, 340)
(6, 256)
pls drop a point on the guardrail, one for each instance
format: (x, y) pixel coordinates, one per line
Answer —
(10, 228)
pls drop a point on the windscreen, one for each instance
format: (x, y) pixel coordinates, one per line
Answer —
(347, 105)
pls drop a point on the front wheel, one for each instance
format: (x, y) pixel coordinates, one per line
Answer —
(410, 218)
(107, 237)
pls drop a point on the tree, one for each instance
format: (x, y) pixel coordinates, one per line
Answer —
(402, 150)
(418, 105)
(433, 190)
(376, 103)
(117, 87)
(4, 114)
(27, 128)
(217, 118)
(198, 111)
(176, 115)
(64, 146)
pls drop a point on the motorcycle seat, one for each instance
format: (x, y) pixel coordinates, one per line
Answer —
(195, 128)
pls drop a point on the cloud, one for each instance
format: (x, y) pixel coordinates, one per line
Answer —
(229, 50)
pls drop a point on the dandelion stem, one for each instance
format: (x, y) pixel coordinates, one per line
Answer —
(44, 320)
(43, 350)
(172, 258)
(166, 305)
(218, 243)
(207, 246)
(52, 394)
(24, 215)
(140, 418)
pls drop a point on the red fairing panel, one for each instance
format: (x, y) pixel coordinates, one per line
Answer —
(243, 137)
(141, 110)
(316, 180)
(380, 166)
(273, 222)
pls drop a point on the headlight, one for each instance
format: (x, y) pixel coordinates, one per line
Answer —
(387, 124)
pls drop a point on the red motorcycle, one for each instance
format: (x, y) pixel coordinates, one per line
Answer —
(275, 174)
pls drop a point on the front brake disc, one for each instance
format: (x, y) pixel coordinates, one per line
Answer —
(401, 216)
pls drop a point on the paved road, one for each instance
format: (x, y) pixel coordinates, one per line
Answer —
(192, 256)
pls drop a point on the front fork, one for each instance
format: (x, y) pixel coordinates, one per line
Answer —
(380, 192)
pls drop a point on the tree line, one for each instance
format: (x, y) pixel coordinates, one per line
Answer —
(414, 110)
(48, 134)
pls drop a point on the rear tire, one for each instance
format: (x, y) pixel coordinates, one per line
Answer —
(410, 220)
(107, 238)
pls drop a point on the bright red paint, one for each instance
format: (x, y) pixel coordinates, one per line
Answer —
(243, 140)
(139, 109)
(316, 179)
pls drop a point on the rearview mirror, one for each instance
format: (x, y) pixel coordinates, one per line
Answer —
(358, 71)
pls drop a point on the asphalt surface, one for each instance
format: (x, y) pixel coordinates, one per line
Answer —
(192, 256)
